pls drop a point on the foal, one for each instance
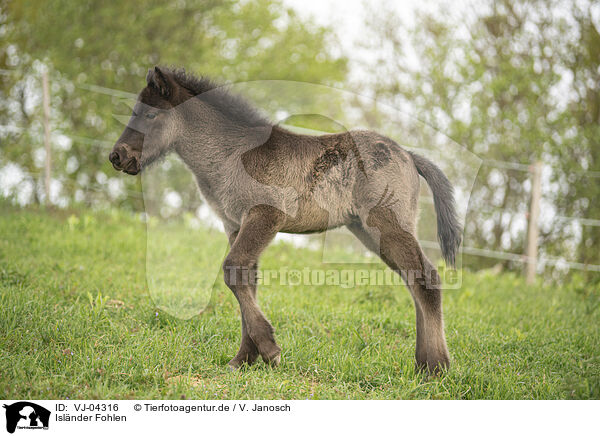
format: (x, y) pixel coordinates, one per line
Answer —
(261, 179)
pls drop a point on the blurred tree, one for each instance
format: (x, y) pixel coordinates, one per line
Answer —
(92, 44)
(497, 82)
(578, 150)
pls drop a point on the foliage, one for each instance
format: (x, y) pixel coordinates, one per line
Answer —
(91, 44)
(512, 81)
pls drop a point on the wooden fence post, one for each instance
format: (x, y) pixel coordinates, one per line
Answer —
(534, 214)
(46, 104)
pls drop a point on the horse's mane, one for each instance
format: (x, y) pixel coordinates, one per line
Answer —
(233, 106)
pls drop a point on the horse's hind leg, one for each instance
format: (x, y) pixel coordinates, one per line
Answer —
(400, 250)
(258, 228)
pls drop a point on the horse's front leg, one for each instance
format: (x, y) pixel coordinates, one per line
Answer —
(248, 351)
(258, 229)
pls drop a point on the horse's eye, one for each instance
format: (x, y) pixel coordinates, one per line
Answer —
(150, 115)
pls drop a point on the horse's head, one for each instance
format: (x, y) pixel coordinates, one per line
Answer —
(153, 126)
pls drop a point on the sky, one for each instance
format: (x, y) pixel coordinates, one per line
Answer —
(347, 18)
(348, 15)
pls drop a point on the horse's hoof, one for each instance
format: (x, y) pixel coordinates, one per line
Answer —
(434, 368)
(234, 365)
(274, 360)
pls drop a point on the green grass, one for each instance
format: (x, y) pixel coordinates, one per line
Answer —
(77, 321)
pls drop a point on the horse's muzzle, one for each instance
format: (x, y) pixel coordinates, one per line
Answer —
(121, 161)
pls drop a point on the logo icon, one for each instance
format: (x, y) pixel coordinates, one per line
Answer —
(26, 415)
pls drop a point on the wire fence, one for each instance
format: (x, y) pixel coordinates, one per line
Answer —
(520, 258)
(473, 251)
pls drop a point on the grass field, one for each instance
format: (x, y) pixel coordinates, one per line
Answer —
(76, 321)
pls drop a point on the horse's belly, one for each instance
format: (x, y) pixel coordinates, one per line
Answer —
(313, 216)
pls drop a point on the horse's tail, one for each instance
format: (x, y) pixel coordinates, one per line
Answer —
(448, 227)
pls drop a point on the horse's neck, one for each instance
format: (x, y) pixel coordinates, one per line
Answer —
(213, 153)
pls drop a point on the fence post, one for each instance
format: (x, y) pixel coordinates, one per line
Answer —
(46, 104)
(534, 214)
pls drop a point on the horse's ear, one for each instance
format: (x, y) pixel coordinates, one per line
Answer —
(158, 79)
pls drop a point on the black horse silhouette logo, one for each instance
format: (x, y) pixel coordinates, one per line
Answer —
(31, 414)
